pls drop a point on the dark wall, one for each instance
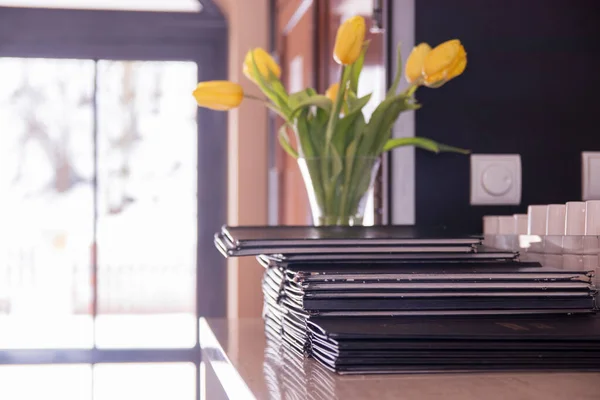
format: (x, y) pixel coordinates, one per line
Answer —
(532, 87)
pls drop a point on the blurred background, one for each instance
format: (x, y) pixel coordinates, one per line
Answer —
(99, 206)
(66, 185)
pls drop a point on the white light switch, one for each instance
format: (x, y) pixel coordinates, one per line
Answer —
(495, 179)
(590, 163)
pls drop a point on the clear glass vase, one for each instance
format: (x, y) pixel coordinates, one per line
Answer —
(338, 188)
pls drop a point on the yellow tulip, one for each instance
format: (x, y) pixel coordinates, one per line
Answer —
(415, 61)
(219, 95)
(332, 91)
(349, 40)
(264, 63)
(446, 61)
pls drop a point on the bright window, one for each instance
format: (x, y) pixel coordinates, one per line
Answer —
(131, 5)
(118, 135)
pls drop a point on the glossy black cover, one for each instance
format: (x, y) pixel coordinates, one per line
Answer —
(341, 235)
(495, 328)
(533, 361)
(429, 369)
(315, 306)
(379, 346)
(372, 356)
(232, 249)
(481, 254)
(464, 358)
(314, 270)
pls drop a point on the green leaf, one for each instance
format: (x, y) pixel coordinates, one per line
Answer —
(396, 82)
(412, 106)
(306, 148)
(377, 130)
(338, 166)
(355, 104)
(350, 155)
(349, 159)
(277, 86)
(346, 129)
(322, 116)
(357, 68)
(264, 86)
(358, 128)
(423, 143)
(295, 99)
(284, 141)
(338, 142)
(351, 151)
(276, 110)
(318, 100)
(385, 132)
(337, 106)
(331, 168)
(316, 129)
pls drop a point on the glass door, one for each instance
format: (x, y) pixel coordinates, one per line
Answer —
(109, 198)
(46, 202)
(147, 198)
(98, 203)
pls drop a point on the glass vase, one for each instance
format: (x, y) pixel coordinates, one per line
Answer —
(338, 188)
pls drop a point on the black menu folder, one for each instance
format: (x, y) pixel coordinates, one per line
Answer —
(390, 299)
(479, 254)
(317, 307)
(331, 242)
(326, 287)
(270, 236)
(508, 328)
(405, 289)
(419, 272)
(385, 347)
(423, 344)
(450, 368)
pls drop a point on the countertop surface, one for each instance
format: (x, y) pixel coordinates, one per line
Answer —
(246, 365)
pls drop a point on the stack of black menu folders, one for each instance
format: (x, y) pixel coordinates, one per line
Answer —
(390, 299)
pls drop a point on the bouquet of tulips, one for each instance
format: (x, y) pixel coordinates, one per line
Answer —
(338, 150)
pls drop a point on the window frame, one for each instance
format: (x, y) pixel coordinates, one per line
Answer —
(146, 36)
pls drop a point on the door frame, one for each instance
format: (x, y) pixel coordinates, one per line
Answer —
(401, 162)
(151, 36)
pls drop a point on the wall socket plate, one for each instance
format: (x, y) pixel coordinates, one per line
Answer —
(495, 179)
(590, 173)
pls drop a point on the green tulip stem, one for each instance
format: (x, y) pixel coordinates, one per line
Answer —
(337, 106)
(326, 169)
(410, 91)
(251, 97)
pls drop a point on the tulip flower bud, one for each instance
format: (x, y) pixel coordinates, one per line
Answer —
(349, 40)
(218, 95)
(264, 62)
(332, 91)
(446, 61)
(415, 61)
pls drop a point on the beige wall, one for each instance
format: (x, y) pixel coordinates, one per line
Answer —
(248, 24)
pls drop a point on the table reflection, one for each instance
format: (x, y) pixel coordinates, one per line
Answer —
(289, 375)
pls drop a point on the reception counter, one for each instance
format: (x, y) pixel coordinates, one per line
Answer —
(240, 363)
